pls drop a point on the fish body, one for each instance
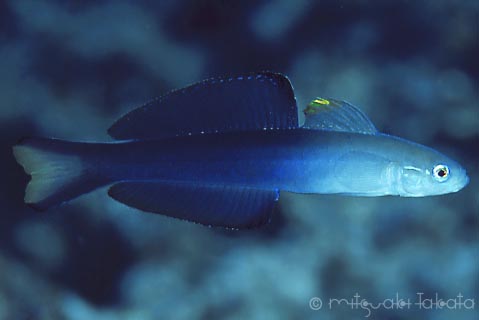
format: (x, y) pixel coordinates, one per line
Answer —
(233, 176)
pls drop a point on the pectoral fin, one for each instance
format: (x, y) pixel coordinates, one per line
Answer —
(361, 173)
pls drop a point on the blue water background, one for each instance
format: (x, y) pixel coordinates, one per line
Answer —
(68, 69)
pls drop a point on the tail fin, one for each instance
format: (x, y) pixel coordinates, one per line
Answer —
(58, 172)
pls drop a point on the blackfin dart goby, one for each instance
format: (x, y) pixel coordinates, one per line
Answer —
(219, 152)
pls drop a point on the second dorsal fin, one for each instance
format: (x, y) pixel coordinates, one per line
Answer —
(337, 115)
(256, 101)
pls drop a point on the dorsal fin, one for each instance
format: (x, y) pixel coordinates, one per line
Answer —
(256, 101)
(337, 115)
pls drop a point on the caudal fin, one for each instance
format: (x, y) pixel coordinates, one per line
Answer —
(58, 171)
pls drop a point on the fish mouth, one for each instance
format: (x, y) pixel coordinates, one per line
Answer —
(465, 183)
(461, 184)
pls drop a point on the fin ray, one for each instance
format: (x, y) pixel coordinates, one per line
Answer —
(249, 102)
(214, 205)
(336, 115)
(58, 174)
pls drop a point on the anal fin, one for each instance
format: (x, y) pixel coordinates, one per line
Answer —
(213, 205)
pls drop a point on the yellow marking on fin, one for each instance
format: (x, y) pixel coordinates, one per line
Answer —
(320, 101)
(317, 105)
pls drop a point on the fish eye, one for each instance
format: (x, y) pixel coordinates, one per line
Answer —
(441, 172)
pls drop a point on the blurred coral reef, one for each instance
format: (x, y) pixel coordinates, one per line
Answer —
(68, 69)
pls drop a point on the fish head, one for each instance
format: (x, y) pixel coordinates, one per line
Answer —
(427, 172)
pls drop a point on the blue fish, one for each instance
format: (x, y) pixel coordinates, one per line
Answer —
(219, 152)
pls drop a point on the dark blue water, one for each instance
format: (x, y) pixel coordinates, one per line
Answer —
(68, 69)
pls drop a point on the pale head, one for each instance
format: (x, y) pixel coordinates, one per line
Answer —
(426, 172)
